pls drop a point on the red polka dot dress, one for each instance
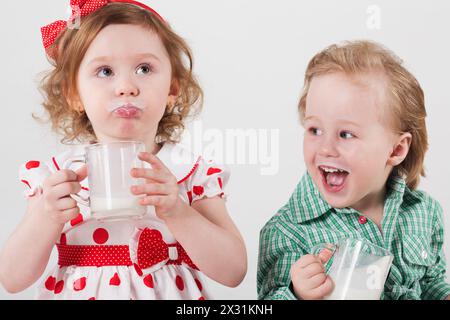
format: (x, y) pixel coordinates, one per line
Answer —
(127, 259)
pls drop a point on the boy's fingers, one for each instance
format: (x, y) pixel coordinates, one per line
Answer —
(316, 281)
(324, 289)
(325, 255)
(305, 261)
(313, 269)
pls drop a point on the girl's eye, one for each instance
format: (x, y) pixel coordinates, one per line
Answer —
(315, 131)
(144, 69)
(346, 135)
(104, 72)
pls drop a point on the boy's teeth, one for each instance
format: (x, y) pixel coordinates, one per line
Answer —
(329, 170)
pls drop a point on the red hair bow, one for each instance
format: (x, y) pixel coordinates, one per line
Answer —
(81, 8)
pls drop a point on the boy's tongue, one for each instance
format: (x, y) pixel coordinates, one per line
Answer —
(336, 178)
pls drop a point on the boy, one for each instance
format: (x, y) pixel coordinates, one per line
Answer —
(364, 147)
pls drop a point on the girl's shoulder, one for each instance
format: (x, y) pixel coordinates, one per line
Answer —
(200, 176)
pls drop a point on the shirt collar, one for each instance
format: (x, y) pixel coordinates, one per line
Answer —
(306, 203)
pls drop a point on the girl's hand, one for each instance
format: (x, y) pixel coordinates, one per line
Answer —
(57, 189)
(161, 187)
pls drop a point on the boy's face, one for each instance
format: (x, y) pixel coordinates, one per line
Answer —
(124, 83)
(347, 143)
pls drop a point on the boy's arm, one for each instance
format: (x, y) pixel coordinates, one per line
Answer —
(433, 283)
(277, 253)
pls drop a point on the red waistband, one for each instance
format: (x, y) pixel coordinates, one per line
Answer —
(110, 255)
(95, 256)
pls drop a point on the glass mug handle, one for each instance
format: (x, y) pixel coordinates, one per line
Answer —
(66, 165)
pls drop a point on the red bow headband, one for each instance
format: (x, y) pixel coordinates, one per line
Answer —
(81, 8)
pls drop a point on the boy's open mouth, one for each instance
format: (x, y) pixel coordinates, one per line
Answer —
(333, 178)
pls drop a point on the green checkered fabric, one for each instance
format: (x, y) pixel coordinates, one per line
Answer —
(411, 229)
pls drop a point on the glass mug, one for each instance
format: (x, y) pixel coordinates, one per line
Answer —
(358, 269)
(109, 175)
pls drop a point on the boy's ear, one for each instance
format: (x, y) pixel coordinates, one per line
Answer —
(400, 150)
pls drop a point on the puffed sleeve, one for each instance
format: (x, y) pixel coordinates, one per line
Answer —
(32, 174)
(208, 180)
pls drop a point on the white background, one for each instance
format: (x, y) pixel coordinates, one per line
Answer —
(250, 57)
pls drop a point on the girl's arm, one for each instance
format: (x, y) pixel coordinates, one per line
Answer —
(211, 239)
(205, 230)
(25, 255)
(27, 251)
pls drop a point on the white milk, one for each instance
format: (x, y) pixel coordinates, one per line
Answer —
(115, 207)
(361, 283)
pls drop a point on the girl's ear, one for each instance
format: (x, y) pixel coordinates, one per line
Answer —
(73, 100)
(76, 105)
(173, 93)
(400, 150)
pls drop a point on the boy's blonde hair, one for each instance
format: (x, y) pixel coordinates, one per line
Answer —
(405, 98)
(59, 86)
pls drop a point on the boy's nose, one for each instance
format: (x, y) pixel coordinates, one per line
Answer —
(328, 148)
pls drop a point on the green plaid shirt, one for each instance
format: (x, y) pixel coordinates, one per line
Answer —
(412, 230)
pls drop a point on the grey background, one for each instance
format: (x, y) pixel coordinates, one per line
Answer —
(250, 59)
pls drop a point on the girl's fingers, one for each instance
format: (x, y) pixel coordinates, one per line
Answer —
(60, 177)
(153, 160)
(156, 201)
(66, 203)
(151, 188)
(64, 189)
(149, 174)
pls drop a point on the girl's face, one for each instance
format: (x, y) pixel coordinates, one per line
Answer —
(347, 148)
(124, 83)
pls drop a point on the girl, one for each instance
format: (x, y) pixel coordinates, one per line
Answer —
(119, 75)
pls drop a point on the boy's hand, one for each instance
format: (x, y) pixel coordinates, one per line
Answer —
(161, 187)
(308, 276)
(57, 189)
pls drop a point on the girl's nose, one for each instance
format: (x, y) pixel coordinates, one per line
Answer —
(127, 88)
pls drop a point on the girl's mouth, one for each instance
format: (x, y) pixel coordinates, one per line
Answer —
(333, 179)
(127, 112)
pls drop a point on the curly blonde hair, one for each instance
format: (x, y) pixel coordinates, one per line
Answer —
(405, 98)
(59, 86)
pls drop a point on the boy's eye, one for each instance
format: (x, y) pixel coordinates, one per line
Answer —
(315, 131)
(144, 69)
(104, 72)
(346, 135)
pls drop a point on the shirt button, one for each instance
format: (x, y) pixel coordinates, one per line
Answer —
(362, 220)
(424, 254)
